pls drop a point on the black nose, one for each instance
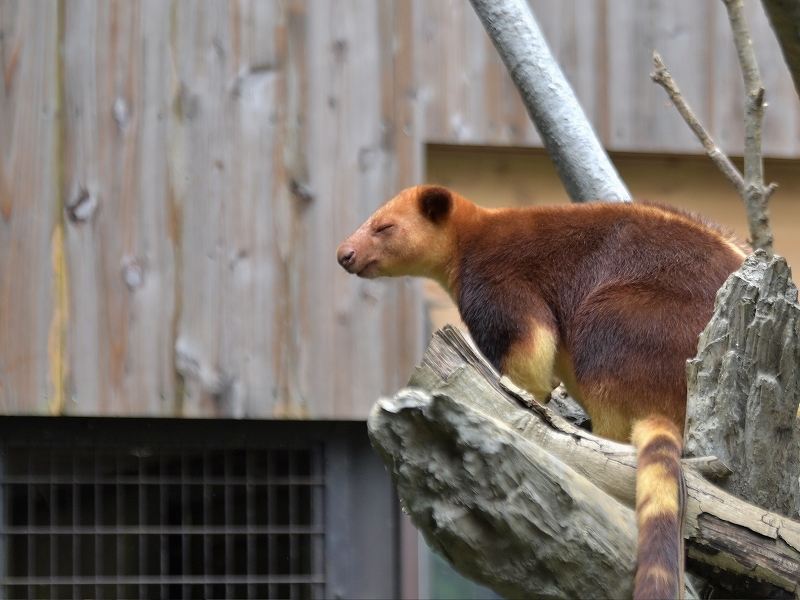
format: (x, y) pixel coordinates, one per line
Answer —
(346, 257)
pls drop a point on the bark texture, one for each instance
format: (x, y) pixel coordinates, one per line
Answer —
(579, 158)
(756, 193)
(469, 483)
(744, 386)
(520, 500)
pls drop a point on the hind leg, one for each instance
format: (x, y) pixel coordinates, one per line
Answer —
(630, 344)
(530, 361)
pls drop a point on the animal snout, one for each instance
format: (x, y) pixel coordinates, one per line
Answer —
(346, 257)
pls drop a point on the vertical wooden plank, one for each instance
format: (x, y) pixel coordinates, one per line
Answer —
(32, 293)
(471, 87)
(347, 163)
(583, 72)
(229, 134)
(441, 68)
(727, 90)
(150, 374)
(452, 72)
(292, 199)
(410, 159)
(600, 118)
(572, 29)
(403, 314)
(120, 258)
(425, 27)
(268, 146)
(82, 163)
(680, 31)
(508, 120)
(353, 170)
(408, 130)
(638, 120)
(202, 48)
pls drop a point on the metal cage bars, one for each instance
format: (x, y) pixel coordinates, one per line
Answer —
(163, 523)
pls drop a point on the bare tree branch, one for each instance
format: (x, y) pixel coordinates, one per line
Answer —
(581, 162)
(662, 77)
(750, 187)
(756, 193)
(744, 46)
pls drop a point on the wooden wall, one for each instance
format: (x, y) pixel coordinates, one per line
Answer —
(175, 176)
(605, 50)
(33, 307)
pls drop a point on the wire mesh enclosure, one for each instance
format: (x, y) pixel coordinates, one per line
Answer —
(162, 522)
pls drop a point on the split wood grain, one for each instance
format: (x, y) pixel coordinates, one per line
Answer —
(454, 379)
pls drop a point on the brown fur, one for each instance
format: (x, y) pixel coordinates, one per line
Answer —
(608, 298)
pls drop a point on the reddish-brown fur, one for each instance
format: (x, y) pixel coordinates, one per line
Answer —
(608, 298)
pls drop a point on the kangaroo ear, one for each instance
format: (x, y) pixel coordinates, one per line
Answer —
(435, 202)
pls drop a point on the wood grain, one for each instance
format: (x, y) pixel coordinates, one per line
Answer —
(605, 50)
(352, 147)
(744, 389)
(455, 398)
(228, 93)
(175, 178)
(173, 186)
(116, 128)
(33, 362)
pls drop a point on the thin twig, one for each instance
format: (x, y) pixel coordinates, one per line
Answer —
(756, 193)
(662, 77)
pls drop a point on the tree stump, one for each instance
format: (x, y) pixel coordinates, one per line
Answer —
(744, 386)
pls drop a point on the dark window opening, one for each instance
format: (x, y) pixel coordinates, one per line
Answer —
(162, 522)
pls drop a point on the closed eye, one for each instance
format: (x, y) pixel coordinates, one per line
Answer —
(384, 227)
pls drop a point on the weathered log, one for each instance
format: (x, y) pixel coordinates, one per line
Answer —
(502, 491)
(744, 386)
(468, 481)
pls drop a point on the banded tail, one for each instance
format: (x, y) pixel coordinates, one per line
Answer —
(660, 506)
